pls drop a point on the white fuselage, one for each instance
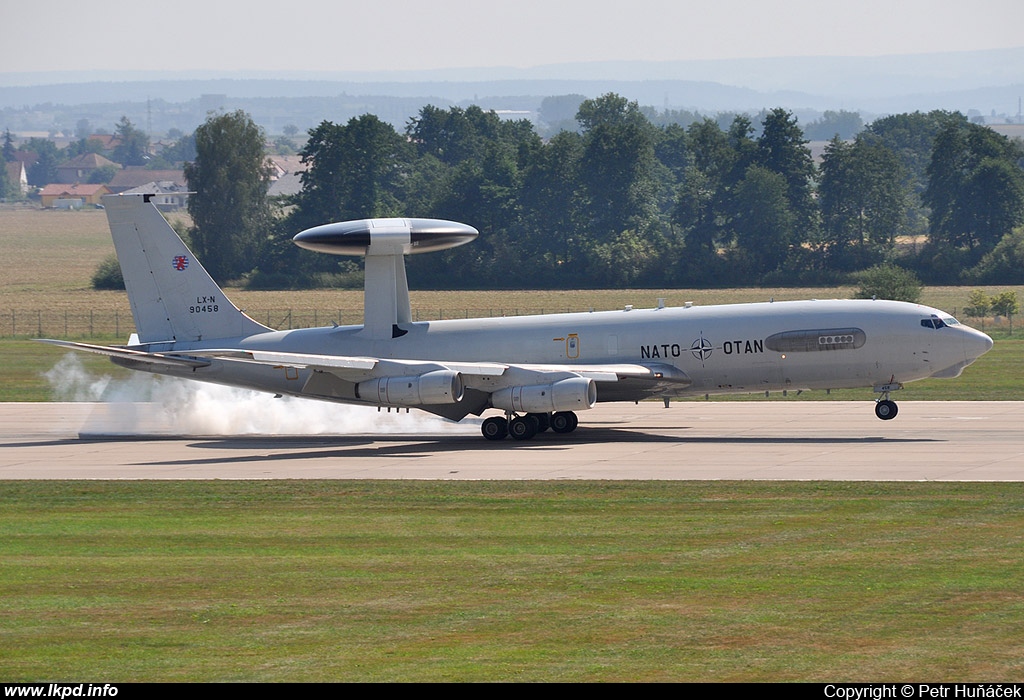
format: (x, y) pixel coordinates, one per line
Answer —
(721, 349)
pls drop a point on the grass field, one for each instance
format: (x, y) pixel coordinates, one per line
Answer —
(491, 581)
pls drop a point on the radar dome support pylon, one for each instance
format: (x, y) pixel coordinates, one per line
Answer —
(384, 243)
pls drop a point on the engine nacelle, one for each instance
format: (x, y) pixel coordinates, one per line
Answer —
(574, 394)
(441, 386)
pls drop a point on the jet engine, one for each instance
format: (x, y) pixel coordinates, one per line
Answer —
(573, 394)
(441, 386)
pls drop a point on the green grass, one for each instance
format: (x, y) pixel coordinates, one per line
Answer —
(525, 581)
(23, 364)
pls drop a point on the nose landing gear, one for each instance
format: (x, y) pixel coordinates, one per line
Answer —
(885, 408)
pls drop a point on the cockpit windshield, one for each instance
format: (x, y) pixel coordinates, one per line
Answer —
(935, 322)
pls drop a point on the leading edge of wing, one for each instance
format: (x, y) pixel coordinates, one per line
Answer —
(358, 367)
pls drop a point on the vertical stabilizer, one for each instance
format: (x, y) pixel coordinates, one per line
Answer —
(173, 298)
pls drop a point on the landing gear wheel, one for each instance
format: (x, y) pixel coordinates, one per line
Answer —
(886, 409)
(494, 428)
(523, 427)
(543, 421)
(564, 422)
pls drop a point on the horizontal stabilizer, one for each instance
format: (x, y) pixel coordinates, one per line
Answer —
(149, 358)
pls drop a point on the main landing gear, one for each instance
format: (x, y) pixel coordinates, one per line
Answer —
(526, 426)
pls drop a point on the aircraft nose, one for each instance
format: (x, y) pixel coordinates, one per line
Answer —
(977, 343)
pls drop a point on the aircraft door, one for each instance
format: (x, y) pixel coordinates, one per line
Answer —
(572, 346)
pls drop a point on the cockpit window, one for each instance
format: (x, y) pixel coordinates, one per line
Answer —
(936, 322)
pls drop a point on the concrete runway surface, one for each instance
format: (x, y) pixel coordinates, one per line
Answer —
(945, 441)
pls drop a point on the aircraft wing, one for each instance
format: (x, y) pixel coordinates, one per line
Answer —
(357, 368)
(449, 389)
(483, 384)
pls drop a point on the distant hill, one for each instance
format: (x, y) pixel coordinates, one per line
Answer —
(986, 82)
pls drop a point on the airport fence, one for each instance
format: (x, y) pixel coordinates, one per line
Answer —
(118, 324)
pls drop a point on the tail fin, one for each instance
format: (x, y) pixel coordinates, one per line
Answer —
(173, 298)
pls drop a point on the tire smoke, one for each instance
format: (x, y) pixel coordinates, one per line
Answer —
(146, 404)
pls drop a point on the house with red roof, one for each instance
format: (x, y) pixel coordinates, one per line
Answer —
(63, 196)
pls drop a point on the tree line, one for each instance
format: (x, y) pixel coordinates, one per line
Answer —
(624, 199)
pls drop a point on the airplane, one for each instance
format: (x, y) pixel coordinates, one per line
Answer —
(536, 371)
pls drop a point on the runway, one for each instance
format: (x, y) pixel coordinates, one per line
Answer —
(943, 441)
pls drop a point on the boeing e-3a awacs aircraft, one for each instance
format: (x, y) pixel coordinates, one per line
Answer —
(538, 371)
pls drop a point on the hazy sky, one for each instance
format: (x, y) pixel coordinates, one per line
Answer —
(342, 35)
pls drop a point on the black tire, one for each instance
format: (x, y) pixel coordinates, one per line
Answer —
(523, 427)
(543, 421)
(564, 422)
(494, 428)
(886, 410)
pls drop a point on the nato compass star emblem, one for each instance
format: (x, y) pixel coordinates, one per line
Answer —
(701, 348)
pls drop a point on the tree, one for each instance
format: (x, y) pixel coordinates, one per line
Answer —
(843, 124)
(559, 112)
(889, 282)
(103, 175)
(229, 176)
(762, 220)
(551, 208)
(8, 146)
(996, 191)
(108, 274)
(43, 170)
(82, 129)
(1006, 304)
(355, 171)
(133, 148)
(1004, 264)
(862, 201)
(782, 149)
(182, 150)
(978, 304)
(616, 171)
(975, 188)
(910, 138)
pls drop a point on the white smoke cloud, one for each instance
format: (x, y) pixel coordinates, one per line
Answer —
(146, 404)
